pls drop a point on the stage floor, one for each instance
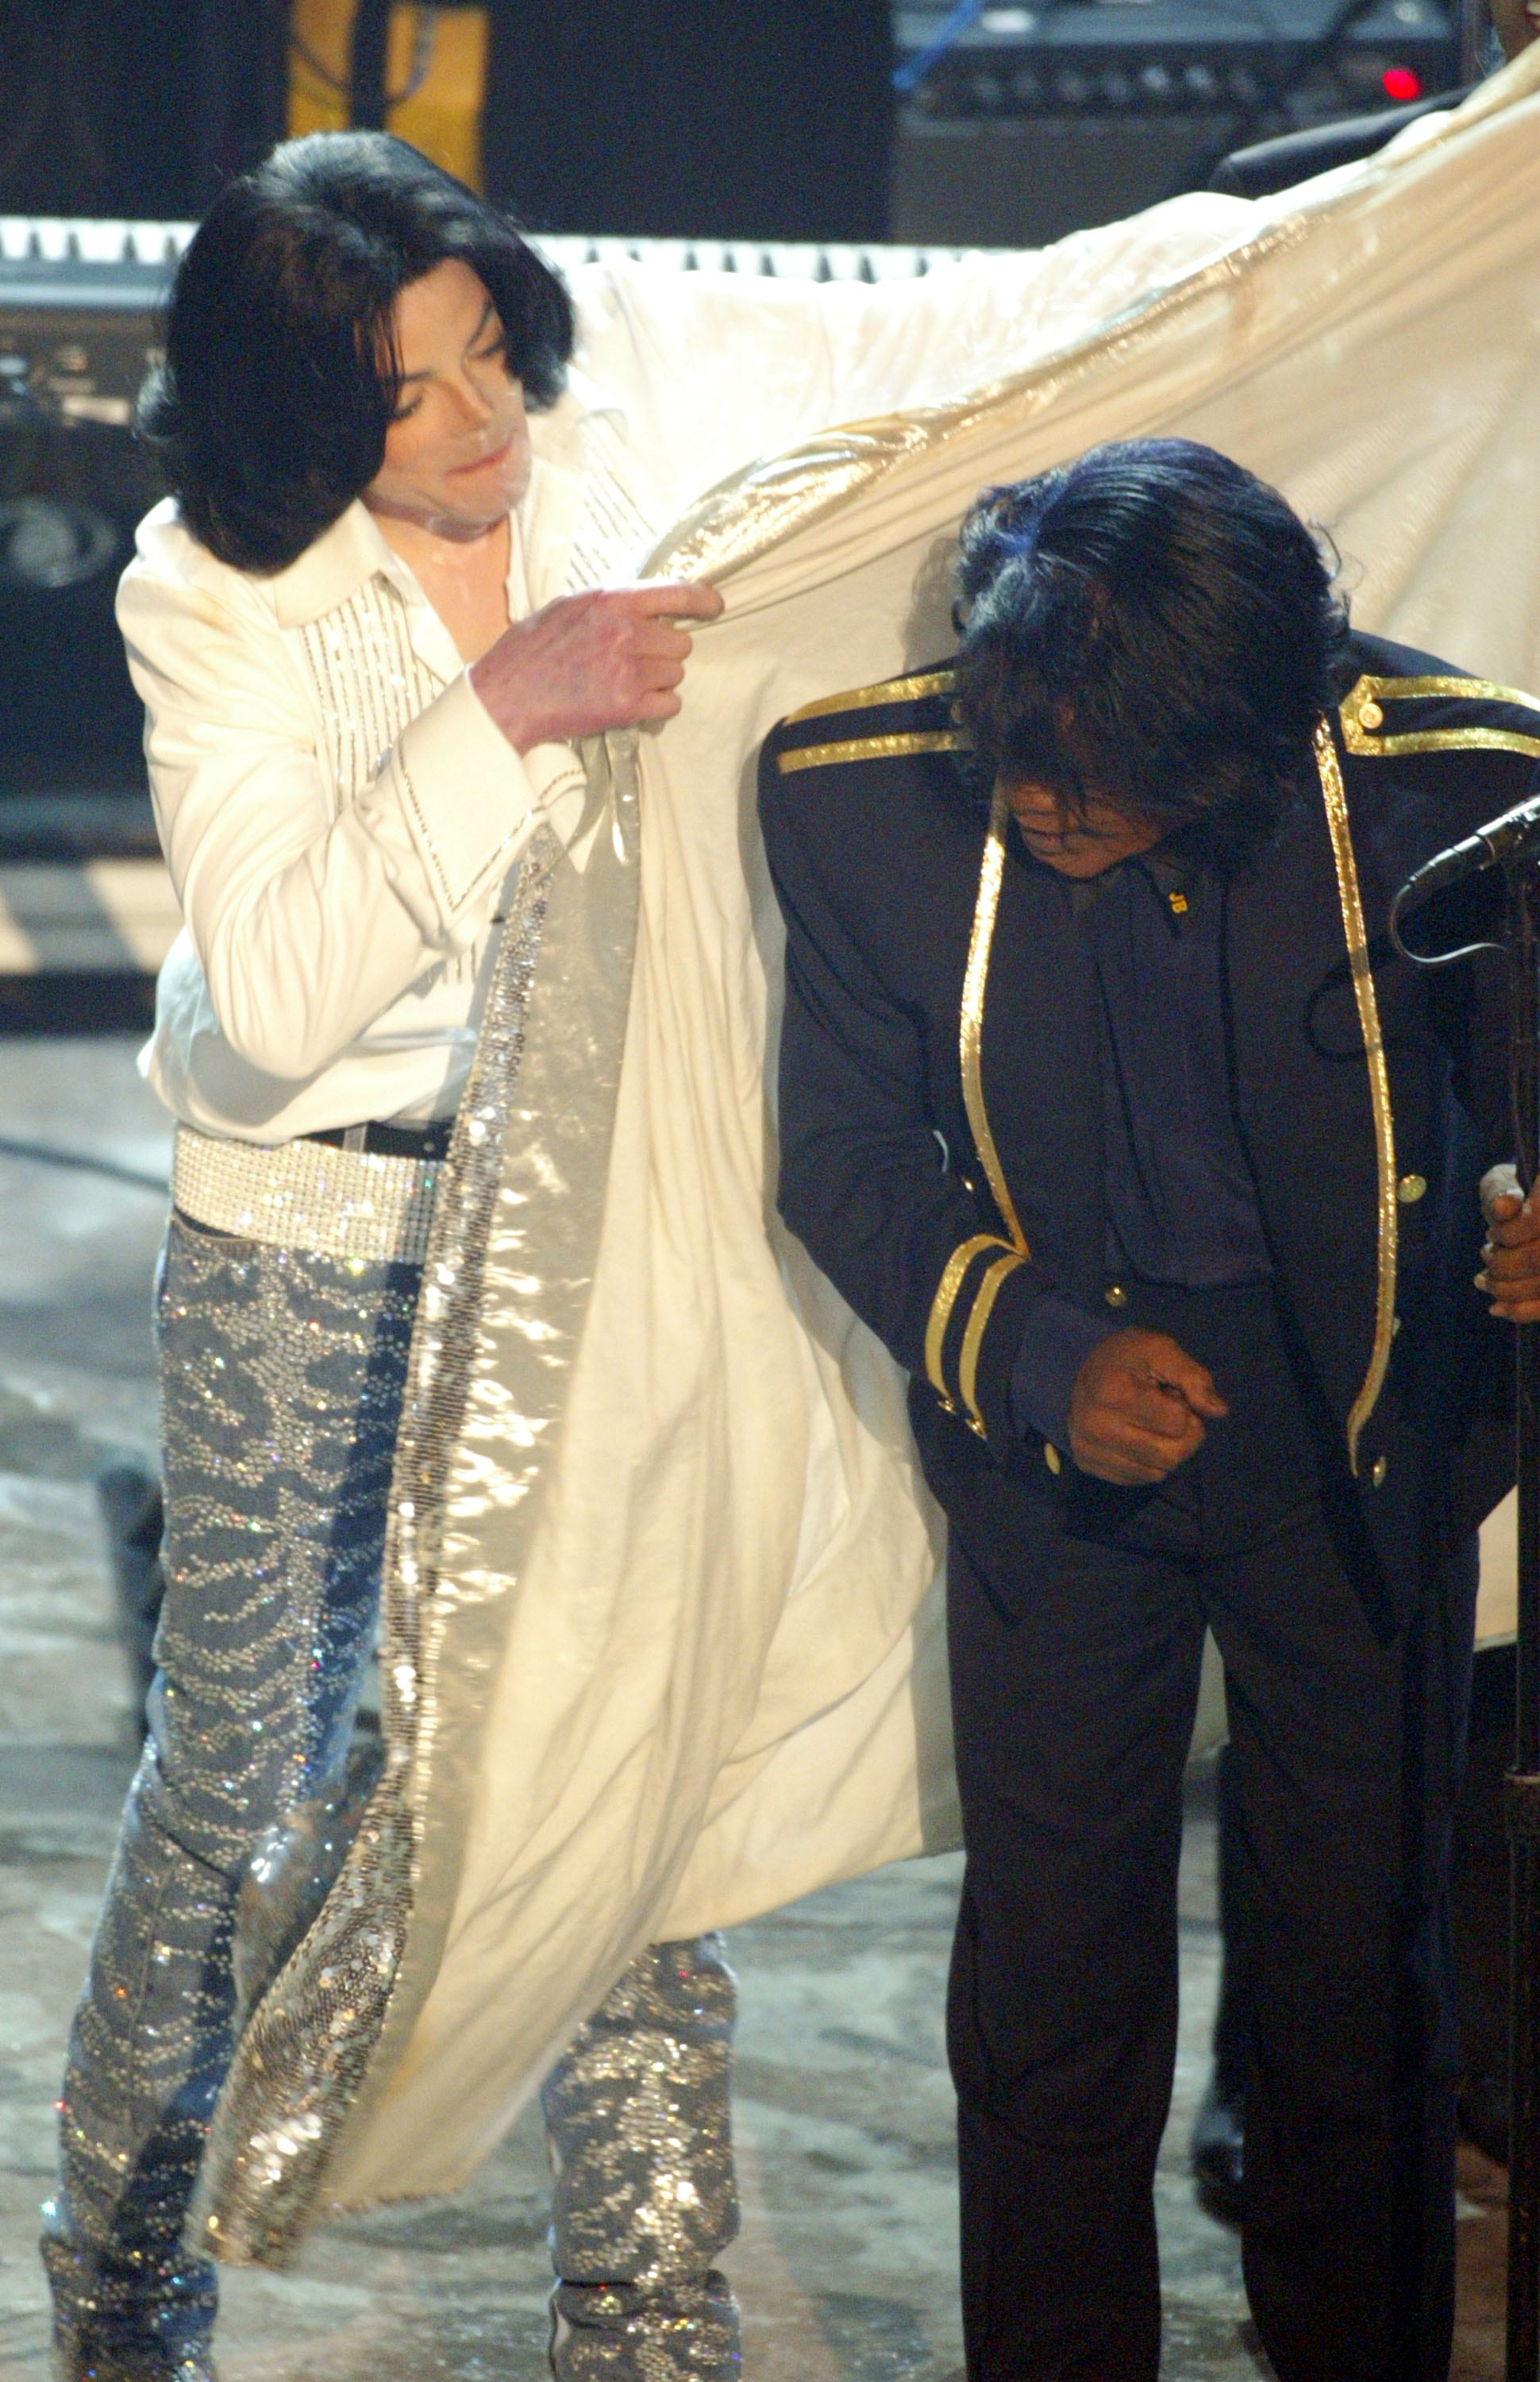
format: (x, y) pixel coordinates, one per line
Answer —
(847, 2263)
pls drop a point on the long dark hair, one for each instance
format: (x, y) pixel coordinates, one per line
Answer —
(269, 414)
(1153, 624)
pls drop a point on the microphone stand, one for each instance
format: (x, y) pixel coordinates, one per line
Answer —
(1512, 843)
(1521, 1787)
(369, 101)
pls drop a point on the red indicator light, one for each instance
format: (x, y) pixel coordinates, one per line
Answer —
(1400, 83)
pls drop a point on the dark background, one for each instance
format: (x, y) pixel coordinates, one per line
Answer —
(133, 107)
(642, 115)
(691, 117)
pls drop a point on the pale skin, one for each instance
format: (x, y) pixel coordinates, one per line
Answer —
(1140, 1404)
(456, 462)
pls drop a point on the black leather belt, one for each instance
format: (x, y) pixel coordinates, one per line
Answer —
(391, 1140)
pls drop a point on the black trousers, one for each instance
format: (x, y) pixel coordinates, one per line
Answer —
(1075, 1672)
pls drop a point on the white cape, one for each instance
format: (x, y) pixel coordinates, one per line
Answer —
(675, 1650)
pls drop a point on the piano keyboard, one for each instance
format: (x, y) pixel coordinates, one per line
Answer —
(135, 259)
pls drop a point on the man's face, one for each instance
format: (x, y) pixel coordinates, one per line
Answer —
(1081, 841)
(457, 456)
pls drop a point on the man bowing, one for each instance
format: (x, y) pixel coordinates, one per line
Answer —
(1107, 1102)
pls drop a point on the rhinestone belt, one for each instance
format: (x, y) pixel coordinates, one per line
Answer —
(308, 1195)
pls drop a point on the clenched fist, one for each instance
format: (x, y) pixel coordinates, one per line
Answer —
(1138, 1408)
(611, 658)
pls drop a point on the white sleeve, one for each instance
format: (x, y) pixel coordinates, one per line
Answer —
(724, 368)
(308, 920)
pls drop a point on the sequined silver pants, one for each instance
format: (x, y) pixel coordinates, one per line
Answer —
(282, 1376)
(637, 2117)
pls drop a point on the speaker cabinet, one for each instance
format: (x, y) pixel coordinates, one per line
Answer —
(1021, 181)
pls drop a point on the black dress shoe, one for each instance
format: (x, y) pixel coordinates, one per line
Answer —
(1219, 2154)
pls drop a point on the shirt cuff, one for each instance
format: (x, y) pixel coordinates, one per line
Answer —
(1058, 1339)
(458, 803)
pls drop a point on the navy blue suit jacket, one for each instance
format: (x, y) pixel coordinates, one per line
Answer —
(940, 1092)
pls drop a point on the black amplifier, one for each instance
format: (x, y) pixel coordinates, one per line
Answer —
(1037, 120)
(79, 315)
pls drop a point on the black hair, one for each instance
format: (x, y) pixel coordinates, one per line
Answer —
(1153, 624)
(269, 413)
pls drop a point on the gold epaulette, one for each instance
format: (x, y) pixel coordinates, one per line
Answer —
(923, 720)
(1364, 728)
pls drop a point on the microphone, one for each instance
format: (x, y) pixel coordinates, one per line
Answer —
(1514, 836)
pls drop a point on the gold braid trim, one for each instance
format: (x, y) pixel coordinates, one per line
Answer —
(1364, 737)
(869, 698)
(974, 984)
(1335, 796)
(945, 1301)
(972, 1339)
(871, 748)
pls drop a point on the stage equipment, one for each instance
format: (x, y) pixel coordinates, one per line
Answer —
(1028, 122)
(368, 89)
(78, 329)
(1512, 843)
(1507, 842)
(416, 70)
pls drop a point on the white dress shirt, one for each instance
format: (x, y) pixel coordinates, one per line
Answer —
(340, 816)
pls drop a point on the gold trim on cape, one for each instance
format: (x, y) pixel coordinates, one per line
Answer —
(974, 983)
(318, 2050)
(871, 698)
(871, 748)
(1335, 796)
(315, 2034)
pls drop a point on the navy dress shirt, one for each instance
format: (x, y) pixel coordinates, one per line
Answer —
(1180, 1204)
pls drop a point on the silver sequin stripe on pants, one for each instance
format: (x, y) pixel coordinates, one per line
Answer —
(282, 1374)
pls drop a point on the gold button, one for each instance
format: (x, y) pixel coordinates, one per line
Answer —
(1410, 1188)
(1370, 716)
(1382, 1466)
(1052, 1457)
(1115, 1295)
